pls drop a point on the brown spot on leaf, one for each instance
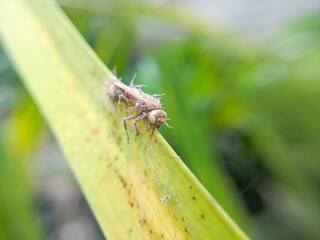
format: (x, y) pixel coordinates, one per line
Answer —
(95, 131)
(142, 222)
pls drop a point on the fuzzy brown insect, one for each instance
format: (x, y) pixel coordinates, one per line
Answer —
(147, 106)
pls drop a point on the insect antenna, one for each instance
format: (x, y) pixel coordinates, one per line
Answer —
(168, 125)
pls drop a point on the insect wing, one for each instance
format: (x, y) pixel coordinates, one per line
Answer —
(132, 92)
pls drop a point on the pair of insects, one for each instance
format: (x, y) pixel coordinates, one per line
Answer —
(144, 105)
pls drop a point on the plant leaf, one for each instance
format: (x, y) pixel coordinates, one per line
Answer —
(140, 190)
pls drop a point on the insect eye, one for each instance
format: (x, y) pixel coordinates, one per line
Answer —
(157, 117)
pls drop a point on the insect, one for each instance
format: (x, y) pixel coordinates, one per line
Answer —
(146, 106)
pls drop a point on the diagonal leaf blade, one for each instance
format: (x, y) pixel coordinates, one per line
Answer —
(140, 190)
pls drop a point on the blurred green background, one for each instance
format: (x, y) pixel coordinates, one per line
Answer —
(243, 95)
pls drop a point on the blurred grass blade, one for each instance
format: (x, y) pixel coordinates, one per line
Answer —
(139, 190)
(16, 198)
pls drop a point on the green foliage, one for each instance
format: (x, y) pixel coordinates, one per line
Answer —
(19, 218)
(237, 110)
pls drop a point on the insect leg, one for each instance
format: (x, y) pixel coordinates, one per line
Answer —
(152, 130)
(125, 123)
(140, 86)
(142, 116)
(114, 70)
(126, 99)
(135, 86)
(131, 83)
(158, 95)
